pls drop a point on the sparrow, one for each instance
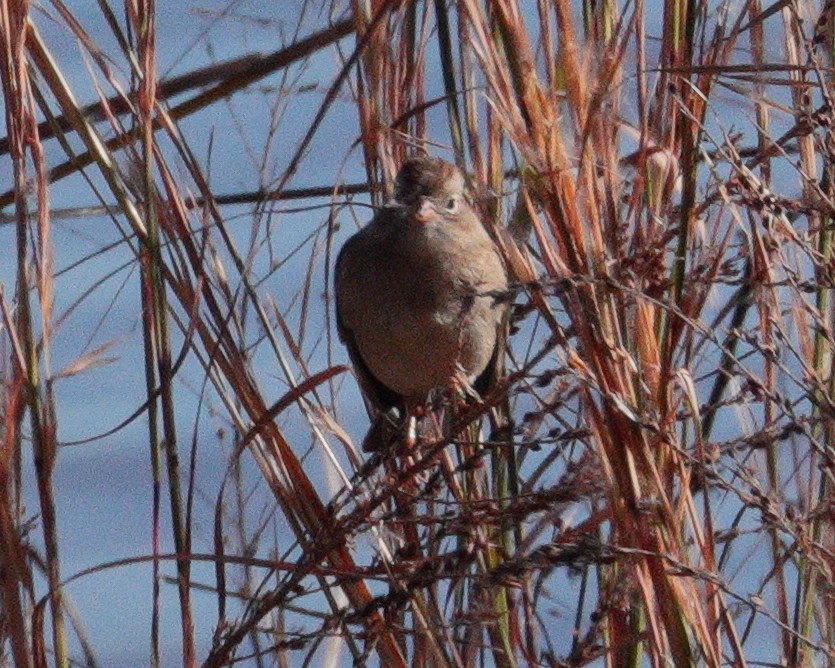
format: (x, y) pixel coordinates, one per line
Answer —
(419, 295)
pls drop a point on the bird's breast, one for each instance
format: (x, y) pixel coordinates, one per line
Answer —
(425, 316)
(419, 301)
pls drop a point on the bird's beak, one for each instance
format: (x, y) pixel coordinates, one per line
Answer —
(424, 210)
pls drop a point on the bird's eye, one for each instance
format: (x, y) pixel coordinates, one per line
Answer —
(452, 204)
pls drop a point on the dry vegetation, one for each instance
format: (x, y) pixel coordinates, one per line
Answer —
(651, 484)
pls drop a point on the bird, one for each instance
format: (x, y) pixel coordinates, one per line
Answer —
(418, 294)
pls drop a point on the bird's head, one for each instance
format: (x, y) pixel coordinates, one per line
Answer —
(429, 187)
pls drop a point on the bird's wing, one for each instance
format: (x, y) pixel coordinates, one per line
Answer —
(494, 370)
(486, 381)
(378, 397)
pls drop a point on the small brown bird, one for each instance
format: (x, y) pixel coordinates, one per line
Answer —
(418, 294)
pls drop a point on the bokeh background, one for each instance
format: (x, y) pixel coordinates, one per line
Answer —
(673, 426)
